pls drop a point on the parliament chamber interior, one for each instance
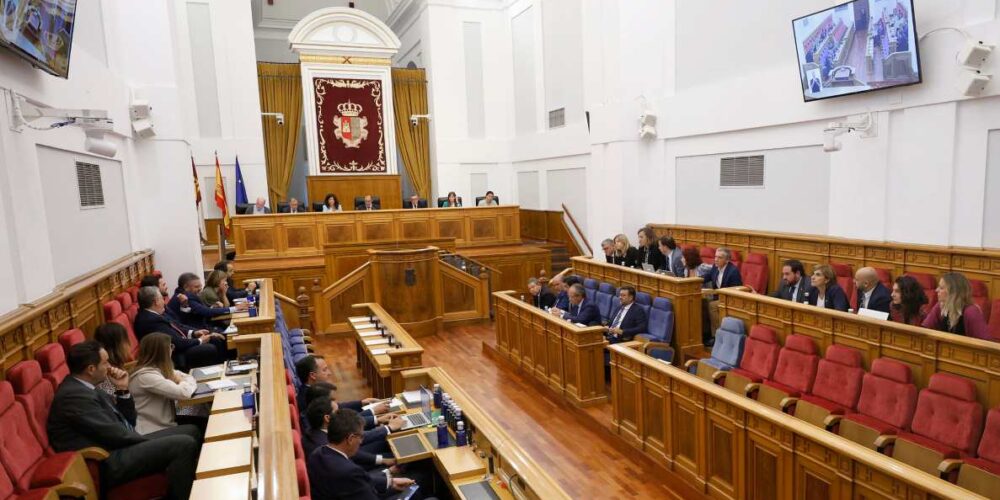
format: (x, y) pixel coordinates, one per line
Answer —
(483, 249)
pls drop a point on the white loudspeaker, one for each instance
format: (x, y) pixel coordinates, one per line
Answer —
(647, 132)
(974, 54)
(973, 83)
(139, 109)
(647, 118)
(143, 128)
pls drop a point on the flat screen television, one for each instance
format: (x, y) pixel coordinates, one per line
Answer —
(856, 47)
(40, 31)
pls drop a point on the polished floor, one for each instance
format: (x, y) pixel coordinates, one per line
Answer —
(576, 447)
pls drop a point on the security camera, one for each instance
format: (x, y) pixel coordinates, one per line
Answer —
(415, 119)
(279, 117)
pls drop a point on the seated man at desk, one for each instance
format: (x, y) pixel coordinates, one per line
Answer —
(233, 293)
(186, 305)
(416, 202)
(332, 474)
(628, 320)
(562, 296)
(294, 207)
(541, 297)
(314, 369)
(374, 450)
(368, 204)
(258, 208)
(193, 348)
(580, 310)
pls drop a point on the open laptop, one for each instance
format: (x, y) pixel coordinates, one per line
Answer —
(648, 268)
(423, 418)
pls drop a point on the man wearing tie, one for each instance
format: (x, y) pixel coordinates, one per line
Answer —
(794, 283)
(368, 204)
(579, 310)
(872, 294)
(541, 297)
(82, 416)
(193, 348)
(416, 202)
(628, 320)
(294, 207)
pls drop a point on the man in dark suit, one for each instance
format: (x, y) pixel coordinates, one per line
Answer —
(562, 294)
(541, 297)
(82, 416)
(367, 205)
(794, 282)
(234, 292)
(314, 369)
(186, 305)
(649, 249)
(193, 348)
(723, 274)
(332, 474)
(258, 208)
(872, 294)
(580, 310)
(415, 202)
(628, 320)
(608, 246)
(374, 447)
(294, 207)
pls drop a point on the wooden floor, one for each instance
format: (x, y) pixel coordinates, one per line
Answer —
(575, 446)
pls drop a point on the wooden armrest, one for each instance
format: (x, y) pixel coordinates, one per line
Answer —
(653, 345)
(306, 332)
(883, 441)
(949, 465)
(831, 420)
(307, 339)
(73, 489)
(94, 453)
(310, 348)
(719, 375)
(750, 388)
(691, 362)
(787, 403)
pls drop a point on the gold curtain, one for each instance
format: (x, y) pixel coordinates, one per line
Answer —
(280, 92)
(409, 91)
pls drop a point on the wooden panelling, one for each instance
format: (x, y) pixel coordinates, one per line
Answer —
(925, 351)
(548, 225)
(513, 265)
(77, 303)
(346, 187)
(684, 294)
(976, 263)
(729, 446)
(525, 337)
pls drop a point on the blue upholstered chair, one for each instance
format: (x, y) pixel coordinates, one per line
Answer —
(590, 287)
(605, 292)
(661, 322)
(726, 353)
(660, 351)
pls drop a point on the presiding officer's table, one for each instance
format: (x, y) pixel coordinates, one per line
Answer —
(466, 469)
(376, 358)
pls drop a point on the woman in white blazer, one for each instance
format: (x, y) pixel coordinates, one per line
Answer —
(155, 385)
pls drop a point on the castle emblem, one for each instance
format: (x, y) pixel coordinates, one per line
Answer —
(350, 126)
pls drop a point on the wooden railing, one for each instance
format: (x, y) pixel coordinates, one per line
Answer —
(925, 351)
(684, 294)
(579, 236)
(383, 371)
(567, 358)
(276, 478)
(730, 446)
(76, 303)
(975, 263)
(550, 225)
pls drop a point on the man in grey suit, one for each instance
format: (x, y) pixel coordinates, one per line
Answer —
(258, 208)
(795, 284)
(672, 256)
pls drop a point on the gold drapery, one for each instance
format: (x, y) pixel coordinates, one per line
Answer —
(280, 87)
(409, 97)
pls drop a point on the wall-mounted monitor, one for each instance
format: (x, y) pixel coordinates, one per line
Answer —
(40, 31)
(856, 47)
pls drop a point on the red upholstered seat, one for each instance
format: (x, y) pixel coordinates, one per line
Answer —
(736, 258)
(796, 366)
(888, 399)
(981, 297)
(113, 314)
(129, 307)
(929, 284)
(994, 323)
(35, 393)
(9, 492)
(70, 338)
(982, 474)
(707, 254)
(303, 478)
(845, 278)
(837, 386)
(948, 417)
(884, 276)
(842, 270)
(755, 272)
(111, 310)
(133, 292)
(29, 464)
(52, 360)
(760, 354)
(293, 412)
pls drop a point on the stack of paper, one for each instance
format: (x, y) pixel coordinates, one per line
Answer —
(222, 384)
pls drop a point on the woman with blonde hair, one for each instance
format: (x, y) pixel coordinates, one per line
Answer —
(216, 286)
(155, 385)
(826, 292)
(955, 312)
(625, 254)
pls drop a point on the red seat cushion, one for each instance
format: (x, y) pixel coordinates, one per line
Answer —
(986, 465)
(787, 389)
(796, 367)
(888, 394)
(760, 353)
(880, 426)
(826, 404)
(754, 272)
(753, 377)
(70, 338)
(948, 413)
(842, 270)
(34, 393)
(847, 284)
(994, 323)
(112, 310)
(52, 359)
(945, 450)
(133, 292)
(989, 444)
(20, 451)
(838, 377)
(302, 476)
(981, 297)
(707, 254)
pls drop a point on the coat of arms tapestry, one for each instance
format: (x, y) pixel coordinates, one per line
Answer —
(349, 125)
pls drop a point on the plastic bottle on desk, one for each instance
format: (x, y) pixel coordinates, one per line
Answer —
(442, 433)
(249, 403)
(437, 396)
(460, 438)
(252, 310)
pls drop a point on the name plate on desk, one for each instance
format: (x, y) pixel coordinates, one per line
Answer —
(372, 333)
(379, 352)
(377, 341)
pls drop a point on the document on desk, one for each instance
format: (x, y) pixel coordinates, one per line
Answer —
(370, 333)
(379, 341)
(231, 330)
(411, 397)
(394, 405)
(379, 352)
(222, 384)
(206, 372)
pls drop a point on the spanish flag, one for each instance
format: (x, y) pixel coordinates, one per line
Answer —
(220, 196)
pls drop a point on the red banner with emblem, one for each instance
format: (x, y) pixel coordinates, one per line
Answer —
(350, 125)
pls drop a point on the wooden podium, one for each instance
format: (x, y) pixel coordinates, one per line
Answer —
(407, 284)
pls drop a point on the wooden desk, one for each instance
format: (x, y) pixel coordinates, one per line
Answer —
(566, 358)
(382, 370)
(464, 466)
(925, 351)
(264, 321)
(228, 425)
(225, 401)
(211, 396)
(229, 487)
(730, 446)
(221, 458)
(684, 293)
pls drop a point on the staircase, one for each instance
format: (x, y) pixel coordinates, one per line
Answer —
(555, 231)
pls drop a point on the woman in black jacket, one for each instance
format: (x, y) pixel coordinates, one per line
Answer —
(826, 292)
(625, 254)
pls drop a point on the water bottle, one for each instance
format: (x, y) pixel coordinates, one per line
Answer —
(437, 396)
(249, 403)
(522, 297)
(252, 311)
(458, 417)
(442, 433)
(460, 439)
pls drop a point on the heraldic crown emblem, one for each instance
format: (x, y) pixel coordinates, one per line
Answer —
(349, 109)
(350, 125)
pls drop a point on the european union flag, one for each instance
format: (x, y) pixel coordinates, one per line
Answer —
(241, 190)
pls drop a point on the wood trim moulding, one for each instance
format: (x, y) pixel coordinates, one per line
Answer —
(328, 59)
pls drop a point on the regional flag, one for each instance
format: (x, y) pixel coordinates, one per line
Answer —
(220, 196)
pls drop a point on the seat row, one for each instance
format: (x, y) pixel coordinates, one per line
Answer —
(939, 429)
(659, 310)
